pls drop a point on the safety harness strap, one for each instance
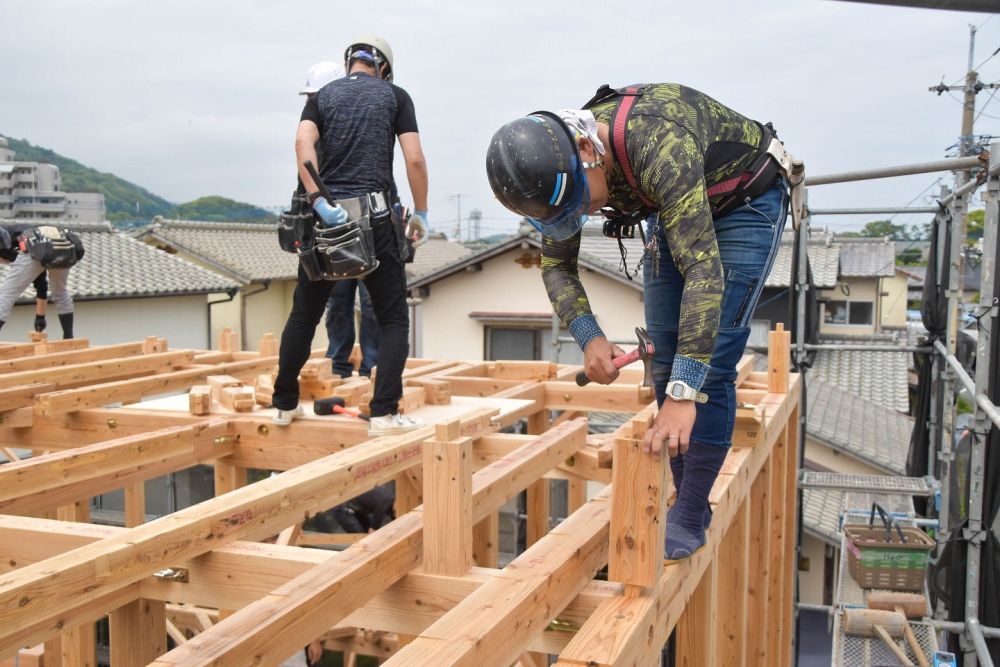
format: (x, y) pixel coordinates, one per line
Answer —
(619, 126)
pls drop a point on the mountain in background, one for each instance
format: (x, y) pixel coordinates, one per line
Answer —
(127, 202)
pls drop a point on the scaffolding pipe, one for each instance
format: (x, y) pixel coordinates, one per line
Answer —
(984, 403)
(873, 211)
(849, 347)
(950, 164)
(957, 628)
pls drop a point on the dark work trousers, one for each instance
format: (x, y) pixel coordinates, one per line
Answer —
(387, 288)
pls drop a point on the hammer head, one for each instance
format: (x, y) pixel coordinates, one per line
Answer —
(324, 406)
(646, 350)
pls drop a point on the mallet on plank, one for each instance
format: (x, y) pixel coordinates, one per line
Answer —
(876, 623)
(644, 352)
(910, 605)
(335, 405)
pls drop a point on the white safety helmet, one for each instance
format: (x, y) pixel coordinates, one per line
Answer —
(321, 74)
(375, 45)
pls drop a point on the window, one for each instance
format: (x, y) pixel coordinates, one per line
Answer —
(848, 312)
(860, 312)
(513, 344)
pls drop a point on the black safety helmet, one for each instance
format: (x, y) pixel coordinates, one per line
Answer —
(535, 170)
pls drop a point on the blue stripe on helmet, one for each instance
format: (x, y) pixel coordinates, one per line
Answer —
(555, 194)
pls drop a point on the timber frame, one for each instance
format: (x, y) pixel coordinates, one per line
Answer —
(230, 581)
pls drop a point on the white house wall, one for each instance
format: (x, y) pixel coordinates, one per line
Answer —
(504, 286)
(182, 320)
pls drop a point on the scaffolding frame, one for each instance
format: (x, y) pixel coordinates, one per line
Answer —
(950, 217)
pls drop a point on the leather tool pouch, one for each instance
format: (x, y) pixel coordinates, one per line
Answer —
(404, 245)
(295, 227)
(342, 252)
(53, 248)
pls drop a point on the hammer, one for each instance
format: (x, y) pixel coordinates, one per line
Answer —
(910, 605)
(335, 405)
(876, 623)
(644, 352)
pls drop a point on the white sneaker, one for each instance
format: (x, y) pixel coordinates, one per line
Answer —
(396, 423)
(285, 417)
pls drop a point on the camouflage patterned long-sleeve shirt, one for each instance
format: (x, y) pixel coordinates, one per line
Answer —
(674, 134)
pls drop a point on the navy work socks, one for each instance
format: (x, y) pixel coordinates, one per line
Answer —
(690, 515)
(677, 470)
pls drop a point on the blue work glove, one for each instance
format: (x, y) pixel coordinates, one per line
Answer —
(422, 215)
(332, 215)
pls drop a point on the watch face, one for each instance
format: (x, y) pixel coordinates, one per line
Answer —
(677, 391)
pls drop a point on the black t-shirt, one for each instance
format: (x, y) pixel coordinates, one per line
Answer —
(359, 117)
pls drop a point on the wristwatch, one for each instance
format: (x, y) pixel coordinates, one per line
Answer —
(681, 391)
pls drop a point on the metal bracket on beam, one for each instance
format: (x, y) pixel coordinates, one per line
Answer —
(175, 574)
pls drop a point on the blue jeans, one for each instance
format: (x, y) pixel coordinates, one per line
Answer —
(340, 328)
(748, 241)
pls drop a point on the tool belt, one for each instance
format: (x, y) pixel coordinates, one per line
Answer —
(772, 160)
(53, 248)
(342, 252)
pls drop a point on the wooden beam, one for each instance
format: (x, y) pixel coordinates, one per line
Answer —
(304, 607)
(595, 397)
(70, 357)
(75, 375)
(43, 482)
(731, 564)
(24, 396)
(19, 350)
(127, 391)
(497, 622)
(759, 536)
(695, 636)
(633, 630)
(36, 592)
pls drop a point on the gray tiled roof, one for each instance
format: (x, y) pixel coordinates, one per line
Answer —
(856, 426)
(821, 510)
(878, 377)
(867, 257)
(248, 252)
(435, 252)
(117, 266)
(824, 260)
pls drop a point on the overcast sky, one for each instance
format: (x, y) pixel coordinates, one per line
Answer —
(191, 98)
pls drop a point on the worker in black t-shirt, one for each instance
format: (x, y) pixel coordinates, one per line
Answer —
(356, 120)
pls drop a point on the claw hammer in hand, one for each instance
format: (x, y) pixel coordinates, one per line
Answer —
(644, 352)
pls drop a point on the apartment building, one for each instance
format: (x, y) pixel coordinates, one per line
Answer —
(33, 191)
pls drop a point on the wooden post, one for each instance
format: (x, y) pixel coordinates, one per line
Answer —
(696, 628)
(268, 346)
(538, 502)
(777, 561)
(638, 521)
(576, 494)
(731, 606)
(138, 633)
(791, 569)
(448, 501)
(779, 353)
(408, 494)
(75, 647)
(486, 541)
(759, 626)
(135, 504)
(229, 341)
(228, 477)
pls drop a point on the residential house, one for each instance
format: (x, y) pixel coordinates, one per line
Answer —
(248, 254)
(125, 290)
(492, 304)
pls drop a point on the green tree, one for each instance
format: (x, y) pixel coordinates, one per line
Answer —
(976, 219)
(882, 228)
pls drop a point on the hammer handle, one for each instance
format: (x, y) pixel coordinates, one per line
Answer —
(892, 645)
(624, 360)
(912, 641)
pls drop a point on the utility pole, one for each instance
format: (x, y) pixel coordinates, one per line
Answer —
(458, 220)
